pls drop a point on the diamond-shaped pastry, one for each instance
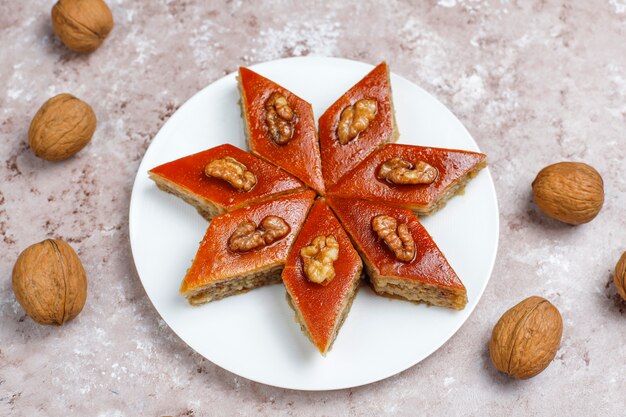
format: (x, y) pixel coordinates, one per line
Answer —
(426, 277)
(280, 127)
(218, 270)
(321, 308)
(212, 195)
(357, 123)
(451, 170)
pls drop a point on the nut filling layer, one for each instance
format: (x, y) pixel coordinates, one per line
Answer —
(232, 171)
(319, 257)
(280, 118)
(248, 236)
(397, 237)
(402, 172)
(355, 119)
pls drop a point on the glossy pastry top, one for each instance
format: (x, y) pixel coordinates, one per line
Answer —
(188, 173)
(337, 159)
(363, 181)
(301, 154)
(320, 305)
(214, 260)
(428, 266)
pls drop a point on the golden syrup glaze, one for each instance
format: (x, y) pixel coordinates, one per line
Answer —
(338, 159)
(188, 173)
(215, 262)
(429, 265)
(363, 182)
(301, 155)
(321, 306)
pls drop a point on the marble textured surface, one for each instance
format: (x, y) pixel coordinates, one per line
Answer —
(535, 82)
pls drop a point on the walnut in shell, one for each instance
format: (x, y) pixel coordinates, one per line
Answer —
(571, 192)
(619, 278)
(526, 338)
(82, 25)
(50, 283)
(62, 127)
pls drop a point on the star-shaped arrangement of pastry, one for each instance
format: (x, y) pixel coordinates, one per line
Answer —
(320, 210)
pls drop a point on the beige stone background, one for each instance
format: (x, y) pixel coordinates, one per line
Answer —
(535, 82)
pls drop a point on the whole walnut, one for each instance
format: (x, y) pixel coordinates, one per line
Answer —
(62, 126)
(50, 283)
(620, 276)
(571, 192)
(82, 25)
(526, 338)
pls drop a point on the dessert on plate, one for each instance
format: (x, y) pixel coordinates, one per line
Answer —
(280, 127)
(420, 178)
(245, 248)
(401, 258)
(266, 224)
(222, 179)
(356, 124)
(321, 276)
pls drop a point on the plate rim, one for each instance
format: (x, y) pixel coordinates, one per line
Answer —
(225, 78)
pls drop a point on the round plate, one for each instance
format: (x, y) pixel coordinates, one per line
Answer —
(255, 335)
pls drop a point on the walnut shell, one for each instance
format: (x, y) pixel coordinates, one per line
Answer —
(62, 126)
(49, 282)
(620, 276)
(526, 338)
(571, 192)
(82, 25)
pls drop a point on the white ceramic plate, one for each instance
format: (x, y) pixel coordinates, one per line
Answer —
(254, 335)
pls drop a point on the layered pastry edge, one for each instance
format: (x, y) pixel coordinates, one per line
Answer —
(206, 208)
(456, 188)
(345, 309)
(416, 291)
(232, 286)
